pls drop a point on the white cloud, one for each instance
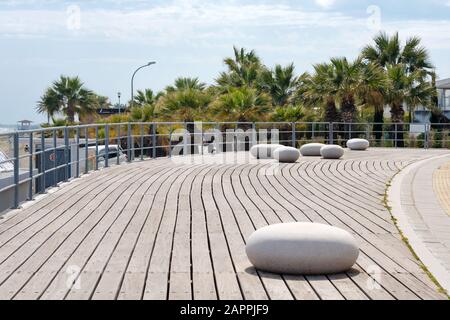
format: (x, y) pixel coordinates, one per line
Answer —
(204, 23)
(167, 23)
(325, 3)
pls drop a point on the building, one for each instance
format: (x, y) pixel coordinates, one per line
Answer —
(443, 87)
(423, 115)
(101, 114)
(24, 124)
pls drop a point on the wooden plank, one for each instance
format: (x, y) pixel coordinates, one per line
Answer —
(89, 235)
(324, 288)
(42, 248)
(160, 259)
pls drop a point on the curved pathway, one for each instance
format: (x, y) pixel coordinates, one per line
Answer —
(441, 184)
(176, 229)
(418, 197)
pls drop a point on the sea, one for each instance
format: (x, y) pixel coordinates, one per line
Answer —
(7, 128)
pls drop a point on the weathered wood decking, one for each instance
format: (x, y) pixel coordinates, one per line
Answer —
(162, 229)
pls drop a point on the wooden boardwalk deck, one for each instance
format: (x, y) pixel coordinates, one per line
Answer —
(163, 229)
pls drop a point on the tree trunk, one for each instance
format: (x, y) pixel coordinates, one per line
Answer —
(332, 115)
(398, 115)
(331, 112)
(348, 112)
(70, 113)
(378, 119)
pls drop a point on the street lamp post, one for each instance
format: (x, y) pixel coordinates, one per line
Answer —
(119, 95)
(132, 81)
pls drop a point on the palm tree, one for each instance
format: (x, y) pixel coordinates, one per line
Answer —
(292, 113)
(69, 96)
(319, 90)
(372, 91)
(102, 102)
(243, 69)
(186, 105)
(187, 102)
(280, 83)
(146, 97)
(346, 82)
(74, 97)
(243, 104)
(186, 84)
(333, 84)
(49, 104)
(146, 113)
(421, 93)
(388, 51)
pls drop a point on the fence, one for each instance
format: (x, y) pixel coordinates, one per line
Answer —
(43, 158)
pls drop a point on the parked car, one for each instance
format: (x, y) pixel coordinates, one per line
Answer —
(114, 151)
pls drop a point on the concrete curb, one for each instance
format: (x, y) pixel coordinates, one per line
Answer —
(424, 254)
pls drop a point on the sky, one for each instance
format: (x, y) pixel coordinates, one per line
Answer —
(104, 41)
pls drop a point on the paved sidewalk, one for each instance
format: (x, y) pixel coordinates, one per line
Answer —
(427, 218)
(441, 184)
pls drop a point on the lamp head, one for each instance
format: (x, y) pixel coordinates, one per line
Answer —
(151, 62)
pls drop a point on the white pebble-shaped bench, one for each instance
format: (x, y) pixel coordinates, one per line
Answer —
(302, 249)
(286, 154)
(358, 144)
(311, 149)
(264, 151)
(332, 152)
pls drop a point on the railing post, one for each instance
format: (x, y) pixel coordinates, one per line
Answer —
(129, 142)
(55, 163)
(330, 133)
(107, 146)
(313, 131)
(43, 162)
(86, 151)
(368, 132)
(219, 145)
(66, 154)
(96, 148)
(142, 141)
(294, 135)
(426, 143)
(350, 130)
(202, 141)
(395, 135)
(170, 143)
(118, 145)
(254, 134)
(154, 140)
(77, 174)
(16, 170)
(30, 150)
(235, 137)
(185, 148)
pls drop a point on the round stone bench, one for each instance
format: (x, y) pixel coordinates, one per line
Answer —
(264, 151)
(302, 249)
(358, 144)
(311, 149)
(286, 154)
(332, 152)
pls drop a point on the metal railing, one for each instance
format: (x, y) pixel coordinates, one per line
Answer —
(43, 158)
